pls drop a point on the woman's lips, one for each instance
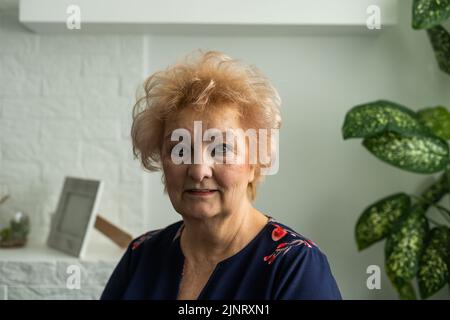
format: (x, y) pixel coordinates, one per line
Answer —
(201, 193)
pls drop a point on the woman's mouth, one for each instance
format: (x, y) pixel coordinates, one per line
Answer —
(201, 192)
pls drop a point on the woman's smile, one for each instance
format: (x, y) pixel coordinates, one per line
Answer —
(201, 192)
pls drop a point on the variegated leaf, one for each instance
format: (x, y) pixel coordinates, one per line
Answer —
(376, 221)
(420, 154)
(440, 40)
(371, 118)
(428, 13)
(406, 291)
(404, 247)
(436, 191)
(433, 269)
(437, 119)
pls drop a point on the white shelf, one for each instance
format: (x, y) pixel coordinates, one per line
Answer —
(181, 16)
(99, 248)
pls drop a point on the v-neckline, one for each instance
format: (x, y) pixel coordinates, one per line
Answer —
(182, 258)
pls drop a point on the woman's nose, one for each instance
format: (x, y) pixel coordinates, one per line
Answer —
(199, 171)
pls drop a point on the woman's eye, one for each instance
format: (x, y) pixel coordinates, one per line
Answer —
(176, 151)
(220, 149)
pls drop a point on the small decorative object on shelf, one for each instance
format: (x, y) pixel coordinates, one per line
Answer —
(16, 234)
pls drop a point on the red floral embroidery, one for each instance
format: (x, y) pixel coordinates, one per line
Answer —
(137, 243)
(282, 245)
(278, 233)
(143, 238)
(269, 259)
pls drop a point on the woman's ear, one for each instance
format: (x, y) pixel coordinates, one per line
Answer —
(251, 175)
(164, 181)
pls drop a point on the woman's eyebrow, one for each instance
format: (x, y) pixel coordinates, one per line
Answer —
(223, 132)
(167, 136)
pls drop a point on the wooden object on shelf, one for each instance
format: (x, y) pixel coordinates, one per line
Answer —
(117, 235)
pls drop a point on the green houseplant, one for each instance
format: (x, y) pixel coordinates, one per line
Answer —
(413, 141)
(417, 248)
(429, 15)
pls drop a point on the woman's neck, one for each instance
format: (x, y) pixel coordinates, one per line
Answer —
(212, 240)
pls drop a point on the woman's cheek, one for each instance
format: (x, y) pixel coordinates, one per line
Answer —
(173, 174)
(233, 176)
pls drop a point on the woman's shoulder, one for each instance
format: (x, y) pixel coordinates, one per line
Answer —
(286, 241)
(156, 236)
(303, 270)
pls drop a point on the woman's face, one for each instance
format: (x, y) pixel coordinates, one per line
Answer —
(211, 187)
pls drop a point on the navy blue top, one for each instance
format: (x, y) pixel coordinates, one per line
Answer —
(278, 263)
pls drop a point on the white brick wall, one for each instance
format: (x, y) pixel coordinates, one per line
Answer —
(48, 280)
(65, 109)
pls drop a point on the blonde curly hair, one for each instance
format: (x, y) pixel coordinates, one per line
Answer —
(203, 81)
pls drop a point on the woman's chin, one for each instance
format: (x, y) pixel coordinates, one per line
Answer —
(196, 213)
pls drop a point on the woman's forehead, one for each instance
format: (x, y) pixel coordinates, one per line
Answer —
(221, 119)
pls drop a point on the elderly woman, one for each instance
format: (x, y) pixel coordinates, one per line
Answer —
(189, 124)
